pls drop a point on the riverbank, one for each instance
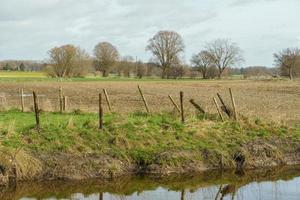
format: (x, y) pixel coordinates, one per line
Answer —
(70, 146)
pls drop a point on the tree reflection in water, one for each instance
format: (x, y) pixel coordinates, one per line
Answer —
(209, 185)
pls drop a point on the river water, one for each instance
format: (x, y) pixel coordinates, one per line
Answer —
(271, 184)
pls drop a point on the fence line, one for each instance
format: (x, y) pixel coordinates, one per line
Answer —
(63, 105)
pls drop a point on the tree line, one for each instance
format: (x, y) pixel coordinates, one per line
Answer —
(19, 65)
(166, 47)
(216, 59)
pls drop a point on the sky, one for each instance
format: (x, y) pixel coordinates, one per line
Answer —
(30, 28)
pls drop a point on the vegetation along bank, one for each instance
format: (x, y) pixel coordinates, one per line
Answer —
(71, 146)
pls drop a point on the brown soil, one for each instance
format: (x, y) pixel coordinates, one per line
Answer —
(270, 100)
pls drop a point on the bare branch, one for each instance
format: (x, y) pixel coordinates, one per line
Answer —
(223, 54)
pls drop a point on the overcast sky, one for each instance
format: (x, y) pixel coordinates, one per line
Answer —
(29, 28)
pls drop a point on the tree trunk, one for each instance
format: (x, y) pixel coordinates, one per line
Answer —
(290, 73)
(219, 75)
(204, 76)
(104, 73)
(220, 72)
(163, 74)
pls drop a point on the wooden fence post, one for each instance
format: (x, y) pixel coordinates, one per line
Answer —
(22, 99)
(224, 107)
(174, 103)
(107, 99)
(65, 103)
(60, 100)
(100, 112)
(197, 106)
(218, 109)
(181, 107)
(144, 100)
(36, 110)
(233, 104)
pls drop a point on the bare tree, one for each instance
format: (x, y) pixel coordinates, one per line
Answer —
(201, 62)
(166, 47)
(223, 53)
(27, 65)
(106, 56)
(178, 71)
(140, 69)
(67, 61)
(212, 72)
(127, 65)
(22, 67)
(83, 63)
(287, 60)
(257, 71)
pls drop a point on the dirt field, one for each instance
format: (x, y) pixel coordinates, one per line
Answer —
(270, 100)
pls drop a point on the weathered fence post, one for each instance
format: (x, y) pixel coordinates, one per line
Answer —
(144, 100)
(60, 100)
(65, 103)
(218, 109)
(224, 107)
(22, 99)
(174, 103)
(36, 110)
(197, 106)
(181, 107)
(233, 104)
(100, 112)
(107, 99)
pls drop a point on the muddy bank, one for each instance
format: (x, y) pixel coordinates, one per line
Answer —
(31, 166)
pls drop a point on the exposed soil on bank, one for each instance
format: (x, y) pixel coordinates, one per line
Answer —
(258, 154)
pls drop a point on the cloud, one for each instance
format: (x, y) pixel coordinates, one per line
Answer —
(246, 2)
(29, 28)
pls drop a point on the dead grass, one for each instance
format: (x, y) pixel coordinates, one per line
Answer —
(26, 165)
(270, 100)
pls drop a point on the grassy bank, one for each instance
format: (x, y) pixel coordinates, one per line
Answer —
(141, 135)
(155, 142)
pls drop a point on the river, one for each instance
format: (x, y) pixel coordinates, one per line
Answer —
(268, 184)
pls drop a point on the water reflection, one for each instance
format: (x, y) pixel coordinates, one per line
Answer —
(283, 183)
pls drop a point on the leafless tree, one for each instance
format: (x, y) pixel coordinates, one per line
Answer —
(106, 56)
(201, 62)
(140, 69)
(68, 61)
(153, 69)
(178, 71)
(212, 72)
(287, 60)
(127, 65)
(166, 47)
(223, 53)
(83, 63)
(257, 71)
